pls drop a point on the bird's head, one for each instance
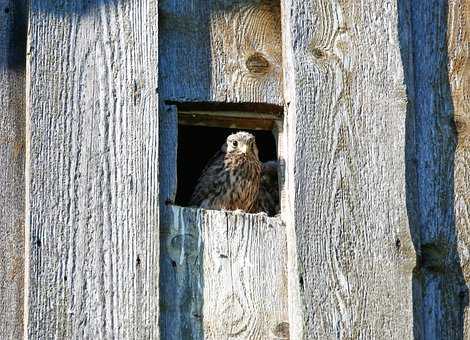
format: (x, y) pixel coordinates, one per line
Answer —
(241, 143)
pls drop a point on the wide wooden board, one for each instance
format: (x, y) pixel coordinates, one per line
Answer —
(92, 170)
(346, 205)
(230, 277)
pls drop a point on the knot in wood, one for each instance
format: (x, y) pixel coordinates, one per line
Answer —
(463, 131)
(281, 330)
(233, 315)
(182, 246)
(318, 53)
(257, 64)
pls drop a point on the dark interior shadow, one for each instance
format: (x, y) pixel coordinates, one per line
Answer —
(196, 155)
(67, 7)
(440, 294)
(14, 24)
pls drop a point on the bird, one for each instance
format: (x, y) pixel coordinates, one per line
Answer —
(231, 178)
(268, 195)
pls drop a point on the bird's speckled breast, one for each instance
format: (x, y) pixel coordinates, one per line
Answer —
(244, 177)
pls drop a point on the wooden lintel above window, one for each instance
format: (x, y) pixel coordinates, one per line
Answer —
(229, 119)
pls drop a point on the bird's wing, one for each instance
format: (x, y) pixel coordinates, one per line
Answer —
(208, 181)
(217, 157)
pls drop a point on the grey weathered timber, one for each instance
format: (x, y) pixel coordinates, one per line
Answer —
(210, 51)
(231, 272)
(225, 51)
(12, 92)
(92, 169)
(436, 168)
(458, 49)
(346, 204)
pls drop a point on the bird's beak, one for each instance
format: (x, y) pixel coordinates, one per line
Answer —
(244, 148)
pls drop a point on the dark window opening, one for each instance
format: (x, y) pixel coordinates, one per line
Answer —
(197, 144)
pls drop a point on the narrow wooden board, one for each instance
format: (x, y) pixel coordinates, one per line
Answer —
(230, 270)
(435, 54)
(458, 51)
(92, 169)
(346, 208)
(13, 23)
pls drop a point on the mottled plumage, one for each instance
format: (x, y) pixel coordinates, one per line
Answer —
(230, 180)
(268, 196)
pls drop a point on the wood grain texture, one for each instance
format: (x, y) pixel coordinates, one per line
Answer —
(433, 62)
(92, 169)
(231, 274)
(13, 24)
(221, 51)
(346, 207)
(458, 48)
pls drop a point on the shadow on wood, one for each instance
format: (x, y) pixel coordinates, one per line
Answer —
(219, 51)
(13, 29)
(60, 8)
(440, 295)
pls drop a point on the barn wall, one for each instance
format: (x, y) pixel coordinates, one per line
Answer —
(91, 170)
(13, 23)
(376, 209)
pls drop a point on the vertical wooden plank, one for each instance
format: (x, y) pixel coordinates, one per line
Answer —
(458, 47)
(438, 203)
(13, 23)
(92, 189)
(231, 273)
(346, 208)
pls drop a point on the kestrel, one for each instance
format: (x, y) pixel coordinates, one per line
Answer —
(231, 179)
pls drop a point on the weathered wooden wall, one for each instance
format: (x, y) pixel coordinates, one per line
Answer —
(377, 192)
(347, 117)
(225, 52)
(13, 23)
(92, 170)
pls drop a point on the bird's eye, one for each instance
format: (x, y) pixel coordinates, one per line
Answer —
(235, 143)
